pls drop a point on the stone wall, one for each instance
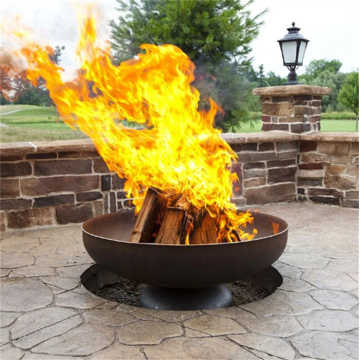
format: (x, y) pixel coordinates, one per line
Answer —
(55, 183)
(295, 109)
(63, 182)
(328, 169)
(267, 167)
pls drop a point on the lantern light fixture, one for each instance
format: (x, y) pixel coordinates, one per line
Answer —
(293, 46)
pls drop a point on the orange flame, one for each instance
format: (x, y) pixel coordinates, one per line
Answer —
(179, 151)
(275, 228)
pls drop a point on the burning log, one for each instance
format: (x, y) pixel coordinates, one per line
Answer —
(172, 220)
(173, 227)
(204, 229)
(148, 217)
(183, 203)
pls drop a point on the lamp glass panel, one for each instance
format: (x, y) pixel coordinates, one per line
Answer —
(302, 52)
(289, 51)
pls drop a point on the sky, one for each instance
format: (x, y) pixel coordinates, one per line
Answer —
(332, 26)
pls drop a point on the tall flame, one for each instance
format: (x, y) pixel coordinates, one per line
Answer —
(178, 150)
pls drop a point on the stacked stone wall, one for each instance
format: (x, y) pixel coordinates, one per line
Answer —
(57, 183)
(295, 114)
(266, 168)
(294, 109)
(65, 182)
(328, 170)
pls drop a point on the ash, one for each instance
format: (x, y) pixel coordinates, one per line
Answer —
(128, 292)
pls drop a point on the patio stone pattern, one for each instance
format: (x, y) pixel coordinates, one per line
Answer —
(47, 314)
(63, 182)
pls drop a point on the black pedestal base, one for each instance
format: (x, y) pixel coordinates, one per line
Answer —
(160, 298)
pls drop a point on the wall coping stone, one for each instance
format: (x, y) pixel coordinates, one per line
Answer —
(292, 90)
(64, 145)
(23, 148)
(259, 137)
(331, 136)
(17, 148)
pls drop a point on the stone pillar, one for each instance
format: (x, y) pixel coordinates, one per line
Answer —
(291, 108)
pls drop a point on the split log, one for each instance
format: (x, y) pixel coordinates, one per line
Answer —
(204, 229)
(147, 219)
(173, 229)
(183, 203)
(172, 220)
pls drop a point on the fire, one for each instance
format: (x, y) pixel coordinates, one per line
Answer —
(178, 150)
(275, 228)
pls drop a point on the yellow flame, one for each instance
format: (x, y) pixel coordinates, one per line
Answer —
(179, 151)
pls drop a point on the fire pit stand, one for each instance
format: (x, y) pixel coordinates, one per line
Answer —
(155, 297)
(182, 277)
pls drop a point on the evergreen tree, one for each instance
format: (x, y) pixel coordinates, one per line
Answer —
(215, 34)
(272, 79)
(55, 56)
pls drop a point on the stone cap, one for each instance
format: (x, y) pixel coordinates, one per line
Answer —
(292, 90)
(22, 148)
(259, 137)
(331, 136)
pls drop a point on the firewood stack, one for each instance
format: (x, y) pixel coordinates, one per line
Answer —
(173, 220)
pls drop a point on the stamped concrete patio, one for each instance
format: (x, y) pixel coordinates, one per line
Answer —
(47, 314)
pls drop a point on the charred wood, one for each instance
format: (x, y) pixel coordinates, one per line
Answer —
(148, 217)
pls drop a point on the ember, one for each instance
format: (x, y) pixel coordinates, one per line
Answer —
(179, 159)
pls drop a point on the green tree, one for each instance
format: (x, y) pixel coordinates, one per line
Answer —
(333, 81)
(349, 92)
(251, 74)
(5, 85)
(261, 76)
(26, 93)
(215, 34)
(272, 79)
(55, 56)
(316, 67)
(325, 73)
(3, 100)
(259, 79)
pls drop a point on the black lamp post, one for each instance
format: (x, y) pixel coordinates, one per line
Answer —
(293, 46)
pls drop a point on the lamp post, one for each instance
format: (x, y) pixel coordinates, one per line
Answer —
(293, 46)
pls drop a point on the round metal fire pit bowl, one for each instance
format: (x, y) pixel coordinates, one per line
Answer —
(171, 270)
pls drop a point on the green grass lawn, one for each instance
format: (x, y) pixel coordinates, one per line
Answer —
(337, 125)
(41, 124)
(27, 116)
(7, 108)
(36, 123)
(16, 133)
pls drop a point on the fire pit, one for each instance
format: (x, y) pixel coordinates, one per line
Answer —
(179, 171)
(182, 277)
